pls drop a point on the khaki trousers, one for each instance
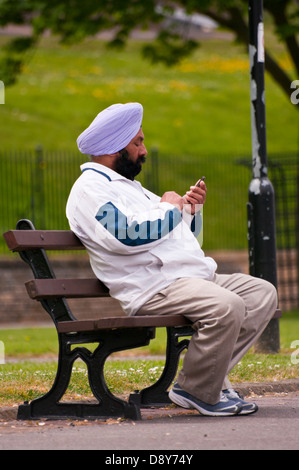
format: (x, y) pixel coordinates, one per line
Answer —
(228, 313)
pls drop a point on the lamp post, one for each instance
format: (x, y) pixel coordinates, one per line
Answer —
(261, 205)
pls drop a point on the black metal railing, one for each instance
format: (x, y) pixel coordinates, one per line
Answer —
(36, 185)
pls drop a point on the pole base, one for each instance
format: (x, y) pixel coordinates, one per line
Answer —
(269, 341)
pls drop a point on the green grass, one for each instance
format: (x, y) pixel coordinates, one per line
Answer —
(201, 105)
(29, 342)
(26, 343)
(197, 114)
(25, 379)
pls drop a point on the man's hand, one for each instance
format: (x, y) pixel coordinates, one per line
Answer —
(173, 198)
(196, 196)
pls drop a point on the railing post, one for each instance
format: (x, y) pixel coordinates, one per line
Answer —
(38, 189)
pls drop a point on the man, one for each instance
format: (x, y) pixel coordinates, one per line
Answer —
(144, 248)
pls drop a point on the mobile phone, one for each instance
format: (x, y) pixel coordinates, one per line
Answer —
(199, 181)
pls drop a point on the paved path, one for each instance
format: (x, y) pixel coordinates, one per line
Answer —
(274, 426)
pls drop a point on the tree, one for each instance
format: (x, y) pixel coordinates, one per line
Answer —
(74, 20)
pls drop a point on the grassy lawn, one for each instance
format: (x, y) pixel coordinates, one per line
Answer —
(25, 379)
(192, 111)
(197, 114)
(200, 106)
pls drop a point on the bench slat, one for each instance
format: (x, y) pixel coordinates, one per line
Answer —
(22, 240)
(70, 288)
(127, 322)
(122, 322)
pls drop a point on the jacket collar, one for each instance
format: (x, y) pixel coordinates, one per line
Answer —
(111, 175)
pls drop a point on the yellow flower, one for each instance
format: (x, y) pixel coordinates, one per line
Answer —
(285, 63)
(177, 123)
(178, 85)
(98, 93)
(216, 64)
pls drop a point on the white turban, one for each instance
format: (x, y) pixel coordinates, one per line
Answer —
(111, 130)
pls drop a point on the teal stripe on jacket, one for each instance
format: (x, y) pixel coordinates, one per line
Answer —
(136, 234)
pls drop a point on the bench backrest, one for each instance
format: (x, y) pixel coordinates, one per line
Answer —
(52, 293)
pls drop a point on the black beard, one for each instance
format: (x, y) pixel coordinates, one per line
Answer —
(126, 167)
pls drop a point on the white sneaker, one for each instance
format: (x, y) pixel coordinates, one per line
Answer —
(247, 407)
(225, 407)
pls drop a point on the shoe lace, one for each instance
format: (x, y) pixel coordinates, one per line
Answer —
(234, 394)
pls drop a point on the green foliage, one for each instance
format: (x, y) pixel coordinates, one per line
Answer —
(10, 69)
(14, 12)
(11, 62)
(169, 48)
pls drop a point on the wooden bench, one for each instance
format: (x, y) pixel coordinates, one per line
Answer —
(110, 333)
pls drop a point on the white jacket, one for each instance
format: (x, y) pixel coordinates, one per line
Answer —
(137, 244)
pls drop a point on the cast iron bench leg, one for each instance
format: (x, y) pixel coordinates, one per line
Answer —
(157, 394)
(50, 406)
